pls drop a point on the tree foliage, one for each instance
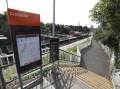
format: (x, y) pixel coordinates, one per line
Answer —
(3, 22)
(107, 14)
(62, 29)
(4, 26)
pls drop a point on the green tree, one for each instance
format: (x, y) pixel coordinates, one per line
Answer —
(107, 14)
(4, 26)
(3, 22)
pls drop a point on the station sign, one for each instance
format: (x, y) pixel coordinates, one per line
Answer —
(26, 39)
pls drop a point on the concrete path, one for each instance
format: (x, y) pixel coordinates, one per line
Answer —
(95, 60)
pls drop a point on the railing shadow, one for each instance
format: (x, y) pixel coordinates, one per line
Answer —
(61, 79)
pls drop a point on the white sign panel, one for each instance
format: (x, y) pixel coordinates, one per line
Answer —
(28, 48)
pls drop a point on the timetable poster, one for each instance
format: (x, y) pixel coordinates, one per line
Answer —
(54, 49)
(28, 48)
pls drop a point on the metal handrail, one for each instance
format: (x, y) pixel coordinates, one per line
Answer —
(37, 69)
(69, 53)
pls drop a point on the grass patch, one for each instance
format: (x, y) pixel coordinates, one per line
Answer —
(45, 59)
(72, 50)
(9, 72)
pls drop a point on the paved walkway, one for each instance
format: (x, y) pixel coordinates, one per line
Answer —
(95, 60)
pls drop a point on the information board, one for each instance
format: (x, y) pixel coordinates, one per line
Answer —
(54, 49)
(26, 39)
(28, 48)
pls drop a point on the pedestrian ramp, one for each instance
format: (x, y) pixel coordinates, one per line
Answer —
(89, 78)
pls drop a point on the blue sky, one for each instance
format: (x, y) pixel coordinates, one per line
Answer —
(69, 12)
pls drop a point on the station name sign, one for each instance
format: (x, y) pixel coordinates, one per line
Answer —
(17, 17)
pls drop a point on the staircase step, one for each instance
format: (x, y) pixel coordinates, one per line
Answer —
(88, 77)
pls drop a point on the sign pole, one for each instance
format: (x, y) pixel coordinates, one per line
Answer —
(20, 80)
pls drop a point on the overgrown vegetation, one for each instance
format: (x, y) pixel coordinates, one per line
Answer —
(9, 73)
(107, 14)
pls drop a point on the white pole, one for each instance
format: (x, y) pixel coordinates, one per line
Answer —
(53, 29)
